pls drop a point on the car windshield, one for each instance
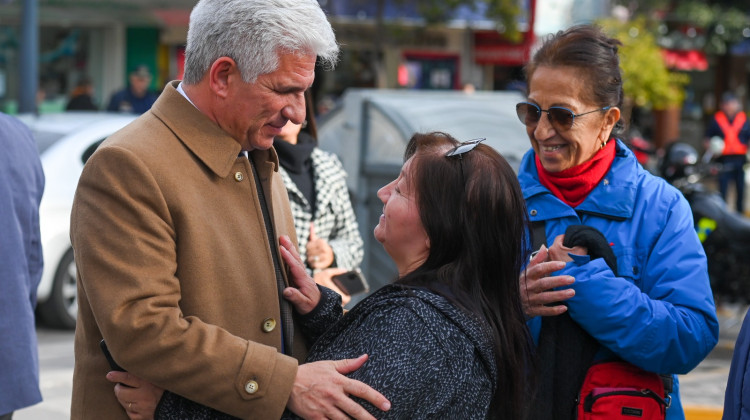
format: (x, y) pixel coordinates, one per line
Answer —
(45, 139)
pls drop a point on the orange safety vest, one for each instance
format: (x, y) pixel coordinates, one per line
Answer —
(732, 144)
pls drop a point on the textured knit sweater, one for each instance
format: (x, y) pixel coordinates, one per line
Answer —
(427, 356)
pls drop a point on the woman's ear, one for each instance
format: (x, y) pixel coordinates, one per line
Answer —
(611, 116)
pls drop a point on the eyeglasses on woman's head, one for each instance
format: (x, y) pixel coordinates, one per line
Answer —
(464, 147)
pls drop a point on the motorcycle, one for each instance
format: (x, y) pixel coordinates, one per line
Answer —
(725, 235)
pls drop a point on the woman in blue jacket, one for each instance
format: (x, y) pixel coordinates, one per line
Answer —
(652, 306)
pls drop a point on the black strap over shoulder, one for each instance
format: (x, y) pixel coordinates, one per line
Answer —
(564, 353)
(538, 234)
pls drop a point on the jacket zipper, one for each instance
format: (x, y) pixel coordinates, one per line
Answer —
(598, 393)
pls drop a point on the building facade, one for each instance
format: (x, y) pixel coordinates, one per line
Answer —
(395, 49)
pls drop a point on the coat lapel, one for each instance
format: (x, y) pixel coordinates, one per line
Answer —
(194, 129)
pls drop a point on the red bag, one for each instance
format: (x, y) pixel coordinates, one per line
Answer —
(620, 390)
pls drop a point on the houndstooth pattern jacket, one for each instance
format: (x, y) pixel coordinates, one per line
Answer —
(334, 217)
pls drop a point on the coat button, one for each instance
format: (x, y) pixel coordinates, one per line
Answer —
(251, 387)
(533, 212)
(238, 176)
(269, 324)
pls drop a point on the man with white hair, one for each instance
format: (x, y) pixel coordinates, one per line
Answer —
(175, 228)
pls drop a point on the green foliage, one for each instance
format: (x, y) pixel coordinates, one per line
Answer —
(643, 7)
(724, 26)
(646, 79)
(697, 13)
(505, 12)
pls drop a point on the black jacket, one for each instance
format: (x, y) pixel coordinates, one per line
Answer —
(427, 356)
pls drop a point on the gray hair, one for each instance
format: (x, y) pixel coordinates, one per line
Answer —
(253, 33)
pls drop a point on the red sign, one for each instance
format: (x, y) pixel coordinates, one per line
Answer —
(490, 47)
(503, 55)
(686, 60)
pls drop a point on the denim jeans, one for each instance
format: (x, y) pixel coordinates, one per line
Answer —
(732, 171)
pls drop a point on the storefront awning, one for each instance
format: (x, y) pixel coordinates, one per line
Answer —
(491, 48)
(685, 60)
(502, 55)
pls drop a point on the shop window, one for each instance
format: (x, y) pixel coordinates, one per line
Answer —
(429, 71)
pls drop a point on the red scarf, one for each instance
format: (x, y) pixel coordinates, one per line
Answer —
(574, 184)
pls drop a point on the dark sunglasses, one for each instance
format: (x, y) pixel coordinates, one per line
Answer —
(560, 118)
(464, 147)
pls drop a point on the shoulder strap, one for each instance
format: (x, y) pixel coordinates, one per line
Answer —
(538, 234)
(668, 381)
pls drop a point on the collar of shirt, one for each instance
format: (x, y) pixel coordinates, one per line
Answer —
(182, 92)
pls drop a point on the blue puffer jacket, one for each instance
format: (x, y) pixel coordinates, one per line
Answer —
(657, 312)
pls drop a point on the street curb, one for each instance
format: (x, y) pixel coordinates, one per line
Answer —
(697, 412)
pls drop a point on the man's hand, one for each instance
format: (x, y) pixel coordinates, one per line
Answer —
(321, 391)
(536, 286)
(305, 294)
(138, 397)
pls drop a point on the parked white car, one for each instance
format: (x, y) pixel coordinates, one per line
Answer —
(65, 141)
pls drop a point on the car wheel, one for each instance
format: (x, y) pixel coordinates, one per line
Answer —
(61, 309)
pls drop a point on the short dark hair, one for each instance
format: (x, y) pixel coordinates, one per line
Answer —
(141, 70)
(728, 97)
(84, 81)
(590, 50)
(474, 214)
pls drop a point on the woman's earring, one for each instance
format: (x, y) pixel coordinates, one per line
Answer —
(601, 146)
(304, 124)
